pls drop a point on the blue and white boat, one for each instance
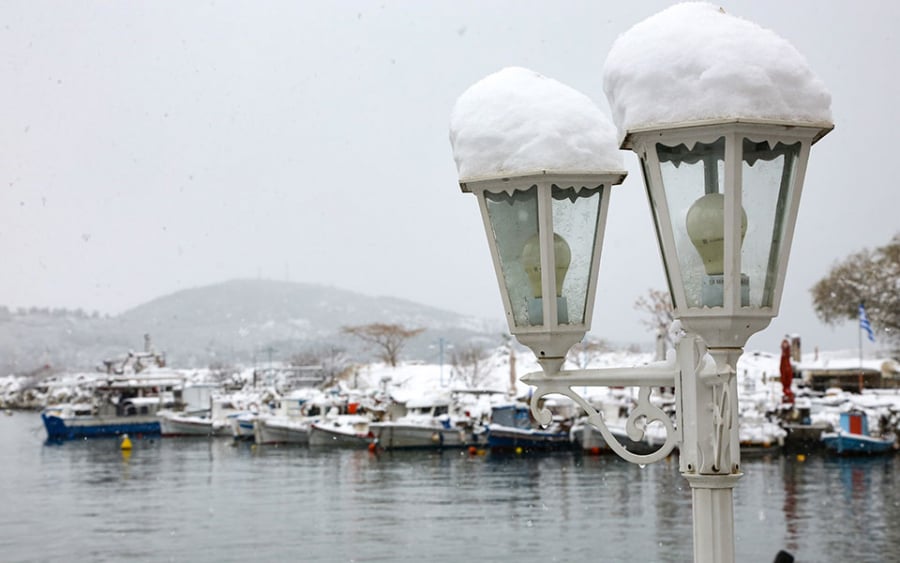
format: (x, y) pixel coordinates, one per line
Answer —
(853, 437)
(120, 405)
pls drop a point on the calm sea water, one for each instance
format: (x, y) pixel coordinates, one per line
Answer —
(199, 500)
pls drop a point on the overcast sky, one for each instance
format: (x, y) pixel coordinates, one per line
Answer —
(149, 147)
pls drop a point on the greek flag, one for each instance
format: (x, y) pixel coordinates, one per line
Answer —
(864, 323)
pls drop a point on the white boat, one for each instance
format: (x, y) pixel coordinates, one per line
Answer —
(288, 422)
(242, 425)
(214, 420)
(428, 423)
(279, 430)
(343, 430)
(173, 423)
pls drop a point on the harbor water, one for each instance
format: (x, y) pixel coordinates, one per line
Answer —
(213, 500)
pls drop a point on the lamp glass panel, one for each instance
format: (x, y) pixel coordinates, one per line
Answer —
(676, 299)
(514, 222)
(689, 175)
(575, 214)
(768, 174)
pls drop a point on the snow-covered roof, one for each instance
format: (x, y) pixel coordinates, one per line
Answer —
(882, 365)
(517, 121)
(693, 62)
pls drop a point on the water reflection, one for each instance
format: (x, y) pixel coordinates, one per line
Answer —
(214, 500)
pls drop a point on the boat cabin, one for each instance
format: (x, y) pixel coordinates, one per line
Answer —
(855, 422)
(516, 415)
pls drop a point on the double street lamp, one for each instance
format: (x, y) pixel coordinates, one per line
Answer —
(723, 171)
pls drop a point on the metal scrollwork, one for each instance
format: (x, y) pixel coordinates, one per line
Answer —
(645, 413)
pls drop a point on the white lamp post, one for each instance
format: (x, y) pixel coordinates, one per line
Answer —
(723, 135)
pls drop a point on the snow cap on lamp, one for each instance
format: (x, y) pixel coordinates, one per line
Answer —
(693, 62)
(517, 122)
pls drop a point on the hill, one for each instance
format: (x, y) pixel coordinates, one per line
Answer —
(235, 322)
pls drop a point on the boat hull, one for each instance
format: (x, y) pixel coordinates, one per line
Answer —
(175, 426)
(242, 427)
(268, 431)
(805, 437)
(590, 440)
(392, 435)
(843, 443)
(78, 428)
(505, 438)
(326, 436)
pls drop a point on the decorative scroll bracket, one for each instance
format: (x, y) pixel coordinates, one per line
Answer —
(646, 377)
(706, 427)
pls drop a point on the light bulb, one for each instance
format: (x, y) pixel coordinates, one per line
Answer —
(531, 261)
(706, 228)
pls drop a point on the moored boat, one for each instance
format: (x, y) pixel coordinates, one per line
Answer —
(427, 424)
(804, 427)
(853, 437)
(172, 424)
(346, 430)
(280, 430)
(242, 425)
(120, 405)
(213, 421)
(288, 422)
(511, 429)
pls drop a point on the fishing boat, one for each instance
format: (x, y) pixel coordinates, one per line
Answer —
(805, 425)
(427, 424)
(853, 437)
(120, 405)
(289, 420)
(242, 425)
(341, 430)
(176, 424)
(588, 439)
(511, 429)
(202, 413)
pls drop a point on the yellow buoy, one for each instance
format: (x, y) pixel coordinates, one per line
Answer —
(801, 457)
(126, 442)
(518, 449)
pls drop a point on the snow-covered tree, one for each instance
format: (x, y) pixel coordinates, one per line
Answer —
(388, 339)
(471, 365)
(659, 310)
(585, 352)
(871, 277)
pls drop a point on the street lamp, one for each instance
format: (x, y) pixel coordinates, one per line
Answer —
(543, 191)
(722, 114)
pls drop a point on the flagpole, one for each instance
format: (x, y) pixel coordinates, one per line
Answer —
(860, 345)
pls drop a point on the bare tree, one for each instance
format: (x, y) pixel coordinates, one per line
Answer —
(388, 339)
(586, 351)
(660, 313)
(470, 365)
(327, 361)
